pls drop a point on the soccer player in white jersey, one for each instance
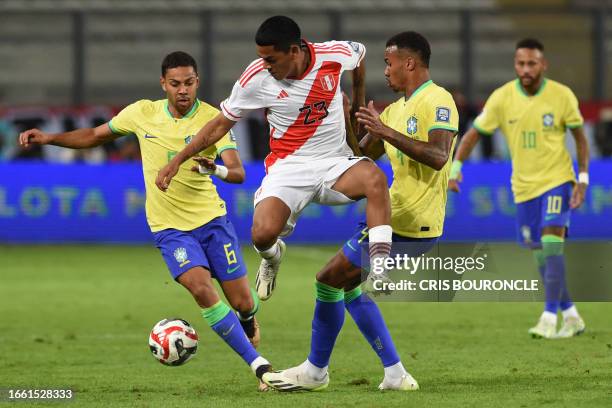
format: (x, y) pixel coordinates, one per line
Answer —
(298, 83)
(417, 133)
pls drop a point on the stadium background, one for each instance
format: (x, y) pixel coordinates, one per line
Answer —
(86, 60)
(76, 313)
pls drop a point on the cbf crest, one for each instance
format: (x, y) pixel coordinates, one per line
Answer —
(548, 120)
(180, 254)
(188, 139)
(412, 125)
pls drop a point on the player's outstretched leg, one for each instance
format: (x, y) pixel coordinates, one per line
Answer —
(220, 318)
(312, 374)
(269, 220)
(368, 318)
(365, 179)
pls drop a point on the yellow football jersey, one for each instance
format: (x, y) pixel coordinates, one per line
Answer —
(192, 199)
(534, 128)
(418, 192)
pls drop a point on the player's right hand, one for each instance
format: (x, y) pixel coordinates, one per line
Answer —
(453, 184)
(33, 136)
(205, 165)
(165, 175)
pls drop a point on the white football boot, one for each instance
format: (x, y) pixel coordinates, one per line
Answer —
(405, 383)
(572, 326)
(295, 379)
(265, 281)
(545, 329)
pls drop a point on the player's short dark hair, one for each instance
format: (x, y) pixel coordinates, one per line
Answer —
(178, 59)
(530, 43)
(279, 31)
(413, 41)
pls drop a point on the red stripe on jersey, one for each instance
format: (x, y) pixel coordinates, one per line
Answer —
(228, 112)
(335, 52)
(251, 66)
(251, 74)
(331, 46)
(299, 132)
(339, 48)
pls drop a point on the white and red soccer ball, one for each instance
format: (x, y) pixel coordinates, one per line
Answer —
(173, 341)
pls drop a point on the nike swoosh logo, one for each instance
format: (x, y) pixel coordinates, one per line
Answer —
(148, 136)
(354, 158)
(549, 217)
(232, 270)
(225, 333)
(511, 121)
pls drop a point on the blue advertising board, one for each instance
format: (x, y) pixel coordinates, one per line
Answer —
(42, 202)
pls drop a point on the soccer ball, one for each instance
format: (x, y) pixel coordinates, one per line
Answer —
(173, 341)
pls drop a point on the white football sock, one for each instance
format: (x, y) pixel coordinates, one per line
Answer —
(271, 254)
(395, 371)
(314, 372)
(549, 317)
(380, 238)
(570, 312)
(259, 361)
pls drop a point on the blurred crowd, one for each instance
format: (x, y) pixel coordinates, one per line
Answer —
(251, 134)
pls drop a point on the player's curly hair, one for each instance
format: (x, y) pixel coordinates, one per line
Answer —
(530, 43)
(280, 31)
(178, 59)
(413, 41)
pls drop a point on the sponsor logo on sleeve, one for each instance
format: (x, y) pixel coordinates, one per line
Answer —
(442, 114)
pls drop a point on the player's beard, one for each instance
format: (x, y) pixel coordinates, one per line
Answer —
(527, 80)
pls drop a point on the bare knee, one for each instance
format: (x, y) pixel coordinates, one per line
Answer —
(264, 234)
(376, 183)
(201, 288)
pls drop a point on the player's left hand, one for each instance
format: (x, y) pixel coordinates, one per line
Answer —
(578, 194)
(369, 118)
(205, 165)
(165, 175)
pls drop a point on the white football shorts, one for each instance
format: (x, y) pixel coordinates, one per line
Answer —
(299, 183)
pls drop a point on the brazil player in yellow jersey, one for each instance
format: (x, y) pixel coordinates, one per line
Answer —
(533, 113)
(189, 221)
(417, 134)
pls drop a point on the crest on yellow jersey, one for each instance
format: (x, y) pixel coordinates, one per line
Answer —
(412, 125)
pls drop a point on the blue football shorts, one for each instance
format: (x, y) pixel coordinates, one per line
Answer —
(549, 209)
(356, 249)
(213, 246)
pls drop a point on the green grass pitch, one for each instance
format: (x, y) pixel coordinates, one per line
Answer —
(79, 317)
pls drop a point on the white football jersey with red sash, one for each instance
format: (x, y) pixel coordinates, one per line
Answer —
(305, 114)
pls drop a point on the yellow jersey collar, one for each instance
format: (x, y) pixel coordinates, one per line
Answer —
(419, 89)
(522, 90)
(189, 114)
